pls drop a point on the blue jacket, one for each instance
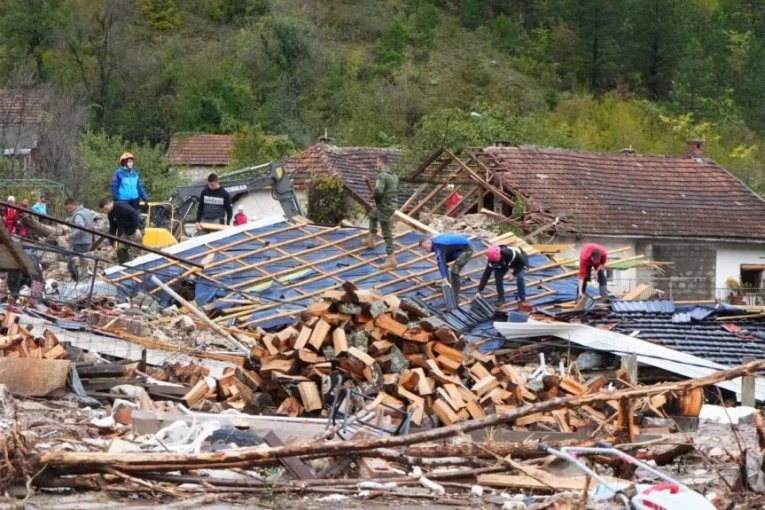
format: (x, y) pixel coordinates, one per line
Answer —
(127, 185)
(447, 248)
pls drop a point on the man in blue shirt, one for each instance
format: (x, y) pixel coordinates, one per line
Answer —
(454, 248)
(126, 183)
(41, 206)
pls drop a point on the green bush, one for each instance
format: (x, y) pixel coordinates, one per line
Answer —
(326, 200)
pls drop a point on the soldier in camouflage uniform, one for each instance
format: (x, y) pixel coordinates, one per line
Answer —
(386, 200)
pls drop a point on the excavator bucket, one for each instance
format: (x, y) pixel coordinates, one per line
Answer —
(154, 237)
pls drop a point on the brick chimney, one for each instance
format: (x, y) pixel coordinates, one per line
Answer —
(694, 148)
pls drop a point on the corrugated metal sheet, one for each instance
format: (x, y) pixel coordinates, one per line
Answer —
(653, 306)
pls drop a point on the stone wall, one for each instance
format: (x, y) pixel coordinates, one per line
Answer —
(691, 274)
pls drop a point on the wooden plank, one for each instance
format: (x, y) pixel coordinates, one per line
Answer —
(310, 396)
(635, 293)
(542, 481)
(293, 464)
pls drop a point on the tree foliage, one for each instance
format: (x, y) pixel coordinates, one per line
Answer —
(326, 200)
(416, 74)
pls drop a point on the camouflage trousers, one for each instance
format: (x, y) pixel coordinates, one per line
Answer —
(382, 216)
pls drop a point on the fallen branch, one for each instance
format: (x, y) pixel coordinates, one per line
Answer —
(133, 462)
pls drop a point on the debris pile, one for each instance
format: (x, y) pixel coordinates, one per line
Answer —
(414, 363)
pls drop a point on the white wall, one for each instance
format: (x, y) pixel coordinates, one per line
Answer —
(731, 256)
(259, 204)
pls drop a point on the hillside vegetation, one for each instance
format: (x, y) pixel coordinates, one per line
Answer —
(596, 75)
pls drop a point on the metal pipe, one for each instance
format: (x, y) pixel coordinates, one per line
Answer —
(105, 235)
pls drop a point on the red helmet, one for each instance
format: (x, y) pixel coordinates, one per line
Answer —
(125, 156)
(493, 253)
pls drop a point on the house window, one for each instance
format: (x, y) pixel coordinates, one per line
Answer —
(751, 275)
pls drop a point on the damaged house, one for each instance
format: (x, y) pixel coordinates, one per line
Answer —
(686, 211)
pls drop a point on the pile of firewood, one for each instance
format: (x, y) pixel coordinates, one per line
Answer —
(396, 351)
(17, 341)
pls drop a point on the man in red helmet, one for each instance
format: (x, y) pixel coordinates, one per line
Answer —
(592, 257)
(126, 183)
(500, 260)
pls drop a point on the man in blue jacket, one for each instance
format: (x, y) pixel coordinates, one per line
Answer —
(126, 183)
(448, 248)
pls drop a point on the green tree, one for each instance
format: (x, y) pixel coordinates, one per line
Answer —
(28, 29)
(238, 12)
(162, 15)
(252, 146)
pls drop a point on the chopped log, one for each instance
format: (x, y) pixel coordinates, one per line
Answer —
(478, 372)
(283, 366)
(290, 407)
(380, 347)
(449, 364)
(570, 385)
(310, 396)
(57, 352)
(268, 342)
(444, 412)
(446, 336)
(303, 337)
(319, 307)
(485, 385)
(339, 341)
(319, 334)
(449, 352)
(386, 322)
(361, 356)
(596, 383)
(196, 394)
(475, 410)
(409, 379)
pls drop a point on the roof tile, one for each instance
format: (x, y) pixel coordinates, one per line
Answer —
(618, 194)
(349, 164)
(200, 150)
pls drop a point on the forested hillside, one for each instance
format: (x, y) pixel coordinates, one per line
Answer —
(596, 75)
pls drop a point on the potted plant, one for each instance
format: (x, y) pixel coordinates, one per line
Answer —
(736, 296)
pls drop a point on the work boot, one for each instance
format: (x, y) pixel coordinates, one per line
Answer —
(501, 301)
(390, 263)
(371, 241)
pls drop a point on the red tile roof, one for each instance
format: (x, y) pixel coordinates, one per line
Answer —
(349, 164)
(200, 150)
(623, 194)
(22, 106)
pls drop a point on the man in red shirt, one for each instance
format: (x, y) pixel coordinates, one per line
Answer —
(592, 257)
(453, 200)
